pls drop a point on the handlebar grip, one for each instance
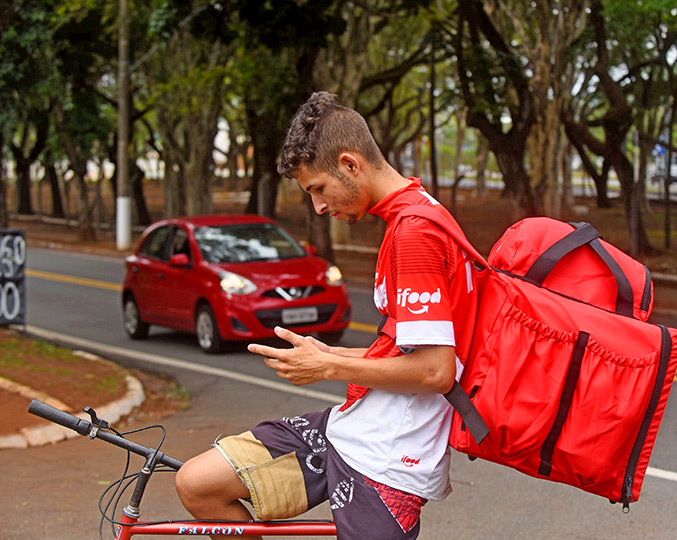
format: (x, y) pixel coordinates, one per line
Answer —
(57, 416)
(84, 427)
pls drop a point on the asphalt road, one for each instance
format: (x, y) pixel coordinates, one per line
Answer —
(54, 490)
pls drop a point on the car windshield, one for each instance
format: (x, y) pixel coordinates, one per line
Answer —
(246, 243)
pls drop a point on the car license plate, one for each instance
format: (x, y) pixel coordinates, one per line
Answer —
(299, 315)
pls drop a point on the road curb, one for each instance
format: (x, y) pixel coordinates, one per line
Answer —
(51, 433)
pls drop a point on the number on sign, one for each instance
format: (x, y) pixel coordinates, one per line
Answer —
(10, 302)
(12, 262)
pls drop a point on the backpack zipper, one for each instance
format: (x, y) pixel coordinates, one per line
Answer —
(633, 460)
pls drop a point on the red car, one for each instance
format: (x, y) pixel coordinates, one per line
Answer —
(230, 278)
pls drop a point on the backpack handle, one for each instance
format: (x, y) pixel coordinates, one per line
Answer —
(583, 234)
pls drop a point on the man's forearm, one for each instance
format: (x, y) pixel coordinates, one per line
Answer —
(429, 369)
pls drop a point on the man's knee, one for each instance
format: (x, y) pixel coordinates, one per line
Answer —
(187, 483)
(206, 479)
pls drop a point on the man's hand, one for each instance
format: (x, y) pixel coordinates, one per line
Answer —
(306, 363)
(429, 369)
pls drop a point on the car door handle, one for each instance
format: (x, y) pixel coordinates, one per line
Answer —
(161, 276)
(135, 269)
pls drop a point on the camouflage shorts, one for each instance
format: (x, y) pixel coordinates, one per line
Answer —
(289, 467)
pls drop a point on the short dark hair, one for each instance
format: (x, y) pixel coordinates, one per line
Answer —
(321, 129)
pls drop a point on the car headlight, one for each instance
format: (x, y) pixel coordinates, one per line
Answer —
(333, 276)
(236, 284)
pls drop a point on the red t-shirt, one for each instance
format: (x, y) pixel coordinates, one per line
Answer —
(424, 283)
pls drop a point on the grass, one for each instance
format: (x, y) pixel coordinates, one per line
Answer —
(68, 375)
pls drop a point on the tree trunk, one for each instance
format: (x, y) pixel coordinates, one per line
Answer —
(79, 167)
(66, 196)
(174, 185)
(198, 187)
(542, 156)
(508, 147)
(86, 231)
(268, 128)
(482, 159)
(23, 187)
(581, 139)
(567, 174)
(189, 82)
(53, 180)
(639, 239)
(136, 180)
(645, 148)
(23, 159)
(319, 226)
(233, 154)
(510, 159)
(199, 168)
(460, 141)
(541, 148)
(4, 216)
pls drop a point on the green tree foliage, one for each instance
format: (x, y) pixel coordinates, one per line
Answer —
(623, 44)
(84, 43)
(26, 77)
(601, 68)
(495, 87)
(186, 79)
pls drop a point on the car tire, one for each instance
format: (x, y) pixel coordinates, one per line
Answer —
(135, 327)
(331, 338)
(207, 330)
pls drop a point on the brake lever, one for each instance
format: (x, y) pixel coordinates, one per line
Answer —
(97, 423)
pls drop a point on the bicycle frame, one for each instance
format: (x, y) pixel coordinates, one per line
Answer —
(129, 524)
(221, 528)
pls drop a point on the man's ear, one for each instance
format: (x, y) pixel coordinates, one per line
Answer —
(351, 162)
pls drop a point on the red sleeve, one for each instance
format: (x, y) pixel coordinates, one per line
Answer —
(422, 271)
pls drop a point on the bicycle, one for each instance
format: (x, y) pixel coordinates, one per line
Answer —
(128, 524)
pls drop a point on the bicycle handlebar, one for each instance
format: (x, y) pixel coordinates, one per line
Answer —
(85, 427)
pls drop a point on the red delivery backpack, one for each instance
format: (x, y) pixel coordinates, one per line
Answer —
(565, 380)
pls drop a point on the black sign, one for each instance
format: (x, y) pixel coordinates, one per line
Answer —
(12, 282)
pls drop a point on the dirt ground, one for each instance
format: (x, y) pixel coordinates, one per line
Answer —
(76, 380)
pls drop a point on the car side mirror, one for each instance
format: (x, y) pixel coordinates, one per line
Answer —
(310, 250)
(180, 259)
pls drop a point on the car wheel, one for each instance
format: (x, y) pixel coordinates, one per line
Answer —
(207, 330)
(331, 338)
(135, 327)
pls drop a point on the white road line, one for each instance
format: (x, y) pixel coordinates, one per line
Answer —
(660, 473)
(226, 374)
(172, 362)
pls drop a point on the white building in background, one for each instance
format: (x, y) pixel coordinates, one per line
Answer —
(151, 164)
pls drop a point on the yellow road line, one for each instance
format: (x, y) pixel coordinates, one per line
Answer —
(74, 280)
(360, 327)
(357, 326)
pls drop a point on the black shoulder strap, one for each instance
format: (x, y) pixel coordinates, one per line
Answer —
(464, 406)
(457, 396)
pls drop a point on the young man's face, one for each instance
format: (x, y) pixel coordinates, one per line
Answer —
(339, 195)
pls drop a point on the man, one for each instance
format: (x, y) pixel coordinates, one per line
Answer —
(383, 453)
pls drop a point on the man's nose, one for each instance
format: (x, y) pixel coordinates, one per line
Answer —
(319, 205)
